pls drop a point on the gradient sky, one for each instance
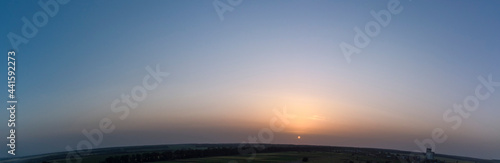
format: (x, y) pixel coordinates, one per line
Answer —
(227, 76)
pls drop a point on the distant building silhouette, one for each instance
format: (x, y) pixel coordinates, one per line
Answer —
(429, 155)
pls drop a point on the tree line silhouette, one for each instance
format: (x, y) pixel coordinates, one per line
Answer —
(194, 153)
(171, 155)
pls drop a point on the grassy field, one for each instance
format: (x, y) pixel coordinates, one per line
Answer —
(283, 157)
(296, 157)
(292, 154)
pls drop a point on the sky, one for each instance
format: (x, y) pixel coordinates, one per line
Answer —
(227, 75)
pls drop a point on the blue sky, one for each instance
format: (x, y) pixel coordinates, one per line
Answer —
(226, 76)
